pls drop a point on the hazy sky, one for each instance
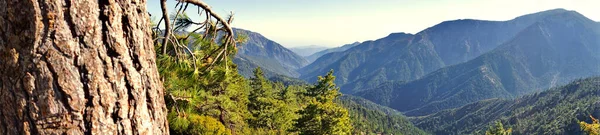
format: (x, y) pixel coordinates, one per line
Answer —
(337, 22)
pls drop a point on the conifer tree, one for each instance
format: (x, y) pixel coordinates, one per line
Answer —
(262, 104)
(325, 90)
(591, 128)
(268, 112)
(261, 88)
(322, 116)
(202, 94)
(498, 129)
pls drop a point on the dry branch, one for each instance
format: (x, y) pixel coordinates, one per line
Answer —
(163, 6)
(229, 37)
(213, 14)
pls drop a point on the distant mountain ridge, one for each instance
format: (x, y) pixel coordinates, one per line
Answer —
(315, 56)
(259, 51)
(305, 51)
(406, 57)
(553, 51)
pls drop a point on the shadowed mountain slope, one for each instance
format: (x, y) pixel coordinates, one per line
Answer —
(551, 52)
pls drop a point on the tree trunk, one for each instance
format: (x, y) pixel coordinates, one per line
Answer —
(78, 67)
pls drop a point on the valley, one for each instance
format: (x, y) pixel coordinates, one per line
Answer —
(476, 72)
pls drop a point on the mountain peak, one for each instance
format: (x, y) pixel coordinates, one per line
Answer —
(533, 16)
(398, 35)
(352, 44)
(570, 15)
(550, 11)
(541, 14)
(263, 52)
(245, 31)
(556, 10)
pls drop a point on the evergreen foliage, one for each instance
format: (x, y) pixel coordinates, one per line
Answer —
(268, 110)
(372, 119)
(204, 99)
(556, 111)
(206, 94)
(498, 129)
(591, 128)
(322, 116)
(219, 93)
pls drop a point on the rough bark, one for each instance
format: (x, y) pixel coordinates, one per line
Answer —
(78, 67)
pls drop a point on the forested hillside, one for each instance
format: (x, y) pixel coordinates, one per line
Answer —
(246, 64)
(211, 97)
(405, 57)
(556, 111)
(370, 118)
(258, 51)
(551, 52)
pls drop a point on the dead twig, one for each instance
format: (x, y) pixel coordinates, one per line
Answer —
(163, 6)
(207, 8)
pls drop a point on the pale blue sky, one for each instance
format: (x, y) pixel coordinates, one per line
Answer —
(337, 22)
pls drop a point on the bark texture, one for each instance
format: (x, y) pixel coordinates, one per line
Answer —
(78, 67)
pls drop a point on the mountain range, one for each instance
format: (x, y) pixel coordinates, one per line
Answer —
(458, 77)
(406, 57)
(552, 51)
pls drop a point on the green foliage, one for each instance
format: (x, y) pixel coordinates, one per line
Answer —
(220, 101)
(202, 97)
(556, 111)
(498, 129)
(287, 80)
(207, 95)
(219, 93)
(268, 111)
(370, 118)
(322, 116)
(323, 119)
(195, 125)
(260, 87)
(325, 90)
(591, 128)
